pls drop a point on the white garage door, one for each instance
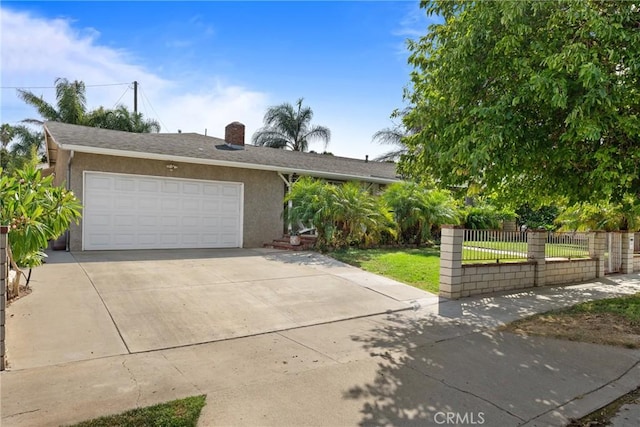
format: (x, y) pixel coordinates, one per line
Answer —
(143, 212)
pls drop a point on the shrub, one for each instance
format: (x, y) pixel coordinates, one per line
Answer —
(416, 209)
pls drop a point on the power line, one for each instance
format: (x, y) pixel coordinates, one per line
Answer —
(144, 95)
(53, 87)
(122, 96)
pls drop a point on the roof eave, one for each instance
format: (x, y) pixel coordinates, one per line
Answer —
(226, 163)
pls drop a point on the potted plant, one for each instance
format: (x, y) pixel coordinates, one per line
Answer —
(294, 237)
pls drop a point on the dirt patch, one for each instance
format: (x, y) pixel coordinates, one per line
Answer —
(597, 328)
(22, 292)
(603, 416)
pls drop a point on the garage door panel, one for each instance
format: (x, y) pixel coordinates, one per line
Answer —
(211, 189)
(191, 221)
(148, 186)
(211, 239)
(148, 221)
(123, 239)
(99, 182)
(211, 206)
(147, 204)
(228, 190)
(189, 188)
(171, 204)
(124, 220)
(121, 201)
(227, 207)
(170, 187)
(227, 238)
(125, 184)
(100, 240)
(190, 205)
(191, 239)
(140, 212)
(99, 220)
(148, 239)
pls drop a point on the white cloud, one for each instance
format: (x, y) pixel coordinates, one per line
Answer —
(53, 48)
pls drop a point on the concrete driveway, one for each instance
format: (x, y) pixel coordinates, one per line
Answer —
(139, 301)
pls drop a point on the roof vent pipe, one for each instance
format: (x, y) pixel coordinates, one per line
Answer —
(366, 158)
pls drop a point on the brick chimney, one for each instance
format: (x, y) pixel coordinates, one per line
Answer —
(234, 134)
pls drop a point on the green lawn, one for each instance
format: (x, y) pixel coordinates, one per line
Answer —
(628, 307)
(177, 413)
(415, 267)
(560, 250)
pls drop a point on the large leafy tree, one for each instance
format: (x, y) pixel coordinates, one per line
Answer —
(71, 107)
(529, 98)
(289, 127)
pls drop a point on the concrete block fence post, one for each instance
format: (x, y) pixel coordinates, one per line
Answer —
(536, 241)
(4, 266)
(451, 261)
(627, 252)
(597, 247)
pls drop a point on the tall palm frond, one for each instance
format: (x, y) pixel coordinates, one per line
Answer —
(26, 141)
(286, 126)
(6, 134)
(70, 103)
(121, 119)
(391, 136)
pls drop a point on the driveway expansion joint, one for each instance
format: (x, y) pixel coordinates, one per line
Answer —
(115, 325)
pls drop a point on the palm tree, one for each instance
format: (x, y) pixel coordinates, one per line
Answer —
(121, 119)
(286, 126)
(71, 103)
(391, 136)
(6, 134)
(26, 142)
(71, 107)
(416, 209)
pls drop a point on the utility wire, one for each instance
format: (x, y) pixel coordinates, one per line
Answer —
(122, 96)
(152, 109)
(53, 87)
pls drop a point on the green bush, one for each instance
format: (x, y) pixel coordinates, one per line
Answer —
(36, 211)
(343, 215)
(416, 209)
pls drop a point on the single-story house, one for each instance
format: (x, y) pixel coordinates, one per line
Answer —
(184, 190)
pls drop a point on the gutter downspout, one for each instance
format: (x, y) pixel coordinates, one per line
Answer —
(290, 203)
(67, 233)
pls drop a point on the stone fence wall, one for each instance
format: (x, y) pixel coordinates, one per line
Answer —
(461, 280)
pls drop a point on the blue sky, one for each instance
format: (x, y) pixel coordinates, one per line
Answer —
(202, 65)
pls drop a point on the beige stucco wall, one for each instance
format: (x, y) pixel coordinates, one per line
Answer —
(60, 169)
(263, 190)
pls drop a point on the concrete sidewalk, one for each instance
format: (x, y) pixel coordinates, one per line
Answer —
(441, 361)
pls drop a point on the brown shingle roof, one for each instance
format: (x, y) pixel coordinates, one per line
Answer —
(195, 148)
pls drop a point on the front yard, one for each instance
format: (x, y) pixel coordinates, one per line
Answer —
(415, 267)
